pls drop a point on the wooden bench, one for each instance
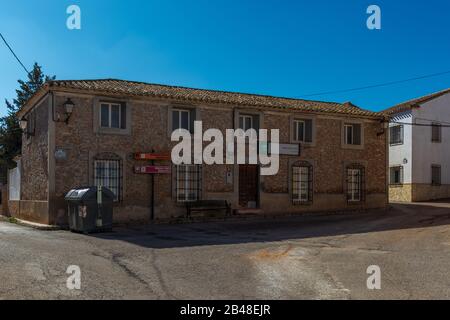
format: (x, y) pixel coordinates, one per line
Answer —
(207, 205)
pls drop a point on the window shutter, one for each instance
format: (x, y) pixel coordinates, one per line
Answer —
(175, 120)
(392, 135)
(357, 134)
(392, 175)
(256, 123)
(308, 130)
(193, 118)
(123, 116)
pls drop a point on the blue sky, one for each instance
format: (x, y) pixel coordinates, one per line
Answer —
(283, 48)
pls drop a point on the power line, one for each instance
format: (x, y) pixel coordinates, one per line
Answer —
(377, 85)
(421, 124)
(12, 51)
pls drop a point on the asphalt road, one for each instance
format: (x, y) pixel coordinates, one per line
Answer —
(315, 257)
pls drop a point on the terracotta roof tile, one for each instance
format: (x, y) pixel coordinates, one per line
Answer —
(132, 88)
(405, 106)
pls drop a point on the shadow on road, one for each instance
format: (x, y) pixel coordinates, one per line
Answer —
(397, 217)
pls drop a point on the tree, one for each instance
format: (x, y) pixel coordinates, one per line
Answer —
(10, 132)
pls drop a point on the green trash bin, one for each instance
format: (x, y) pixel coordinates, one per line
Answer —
(90, 209)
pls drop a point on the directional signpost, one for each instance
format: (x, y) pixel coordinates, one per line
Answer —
(152, 170)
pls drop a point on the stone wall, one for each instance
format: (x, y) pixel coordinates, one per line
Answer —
(400, 193)
(80, 142)
(426, 192)
(33, 205)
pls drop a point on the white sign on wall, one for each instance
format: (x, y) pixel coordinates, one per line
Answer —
(287, 149)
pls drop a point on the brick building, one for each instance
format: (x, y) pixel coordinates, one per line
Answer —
(85, 132)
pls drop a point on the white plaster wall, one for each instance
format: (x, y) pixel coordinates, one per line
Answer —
(425, 153)
(399, 153)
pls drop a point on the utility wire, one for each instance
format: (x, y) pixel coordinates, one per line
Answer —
(12, 51)
(377, 85)
(422, 124)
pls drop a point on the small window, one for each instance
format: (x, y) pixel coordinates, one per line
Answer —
(352, 134)
(396, 175)
(302, 130)
(246, 122)
(396, 134)
(181, 119)
(188, 183)
(436, 175)
(107, 173)
(355, 184)
(302, 183)
(112, 115)
(436, 132)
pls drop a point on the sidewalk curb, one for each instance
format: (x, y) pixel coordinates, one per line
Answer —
(37, 226)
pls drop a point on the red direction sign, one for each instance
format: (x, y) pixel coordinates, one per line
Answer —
(152, 169)
(152, 156)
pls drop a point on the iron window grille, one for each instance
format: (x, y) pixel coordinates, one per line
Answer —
(396, 175)
(355, 183)
(436, 175)
(396, 135)
(108, 173)
(188, 183)
(302, 183)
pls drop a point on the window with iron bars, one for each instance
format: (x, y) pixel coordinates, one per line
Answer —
(108, 173)
(355, 183)
(396, 135)
(302, 183)
(188, 183)
(396, 175)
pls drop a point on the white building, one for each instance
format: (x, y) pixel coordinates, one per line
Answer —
(419, 148)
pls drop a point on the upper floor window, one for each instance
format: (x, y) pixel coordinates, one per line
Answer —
(436, 132)
(396, 134)
(246, 122)
(181, 119)
(352, 134)
(112, 115)
(302, 130)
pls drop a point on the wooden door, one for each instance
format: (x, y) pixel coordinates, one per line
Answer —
(248, 186)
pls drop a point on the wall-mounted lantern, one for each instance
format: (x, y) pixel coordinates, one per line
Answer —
(68, 108)
(23, 124)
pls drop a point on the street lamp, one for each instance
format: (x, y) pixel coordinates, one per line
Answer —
(68, 107)
(23, 123)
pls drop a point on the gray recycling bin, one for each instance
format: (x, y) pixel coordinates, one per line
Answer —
(88, 211)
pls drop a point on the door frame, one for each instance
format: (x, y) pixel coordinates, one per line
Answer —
(257, 189)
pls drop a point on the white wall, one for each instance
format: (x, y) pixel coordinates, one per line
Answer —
(14, 183)
(399, 153)
(425, 152)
